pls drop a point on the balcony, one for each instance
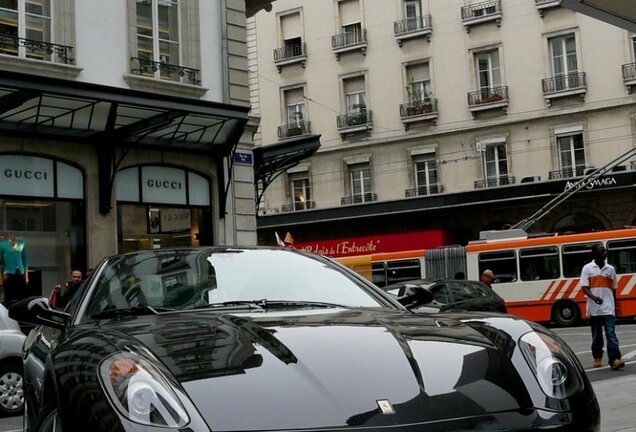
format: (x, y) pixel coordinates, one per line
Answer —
(412, 28)
(358, 199)
(419, 110)
(566, 173)
(167, 71)
(423, 191)
(542, 5)
(298, 206)
(488, 99)
(481, 13)
(629, 76)
(495, 182)
(358, 121)
(563, 86)
(349, 41)
(294, 129)
(34, 49)
(291, 54)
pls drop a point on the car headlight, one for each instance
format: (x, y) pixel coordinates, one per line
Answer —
(141, 392)
(551, 364)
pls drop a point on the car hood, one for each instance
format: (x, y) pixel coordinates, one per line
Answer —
(331, 368)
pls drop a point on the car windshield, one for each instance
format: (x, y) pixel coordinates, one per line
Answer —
(198, 278)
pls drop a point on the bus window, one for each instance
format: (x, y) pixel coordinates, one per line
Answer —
(539, 263)
(379, 274)
(503, 264)
(574, 257)
(622, 255)
(398, 271)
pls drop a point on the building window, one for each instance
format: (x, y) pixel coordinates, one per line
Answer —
(488, 71)
(571, 154)
(26, 19)
(425, 174)
(495, 163)
(158, 23)
(564, 63)
(412, 8)
(419, 86)
(301, 192)
(360, 177)
(295, 101)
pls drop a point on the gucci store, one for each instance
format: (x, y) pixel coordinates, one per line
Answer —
(88, 171)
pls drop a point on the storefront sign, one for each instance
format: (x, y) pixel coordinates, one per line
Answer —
(37, 177)
(375, 244)
(168, 220)
(163, 185)
(595, 184)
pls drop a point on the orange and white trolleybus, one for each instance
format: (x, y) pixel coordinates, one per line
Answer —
(539, 277)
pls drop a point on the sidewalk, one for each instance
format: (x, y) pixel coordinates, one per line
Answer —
(617, 397)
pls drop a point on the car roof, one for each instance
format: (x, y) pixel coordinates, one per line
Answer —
(427, 282)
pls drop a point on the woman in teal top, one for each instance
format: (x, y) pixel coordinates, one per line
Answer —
(15, 273)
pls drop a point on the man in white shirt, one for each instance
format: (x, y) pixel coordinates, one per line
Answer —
(598, 281)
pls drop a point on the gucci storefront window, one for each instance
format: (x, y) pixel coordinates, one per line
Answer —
(161, 206)
(41, 203)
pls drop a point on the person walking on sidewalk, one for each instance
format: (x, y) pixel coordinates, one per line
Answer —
(598, 281)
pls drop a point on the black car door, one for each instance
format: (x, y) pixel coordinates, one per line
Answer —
(442, 297)
(482, 298)
(462, 296)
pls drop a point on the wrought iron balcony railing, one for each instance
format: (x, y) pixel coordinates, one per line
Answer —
(564, 83)
(349, 39)
(481, 12)
(494, 182)
(571, 172)
(358, 198)
(413, 24)
(290, 52)
(360, 118)
(45, 51)
(168, 71)
(298, 206)
(294, 129)
(629, 71)
(490, 95)
(423, 190)
(415, 108)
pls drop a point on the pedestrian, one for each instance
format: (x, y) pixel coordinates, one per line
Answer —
(487, 277)
(61, 295)
(15, 272)
(598, 281)
(460, 275)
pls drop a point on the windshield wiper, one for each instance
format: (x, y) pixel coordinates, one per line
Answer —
(131, 311)
(267, 304)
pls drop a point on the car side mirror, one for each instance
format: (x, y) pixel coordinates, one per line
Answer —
(415, 296)
(36, 310)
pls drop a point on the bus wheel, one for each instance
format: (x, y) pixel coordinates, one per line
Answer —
(565, 313)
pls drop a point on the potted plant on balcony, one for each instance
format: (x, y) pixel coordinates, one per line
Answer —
(358, 115)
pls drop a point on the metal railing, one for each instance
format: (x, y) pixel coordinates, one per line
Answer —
(347, 39)
(294, 129)
(565, 82)
(413, 24)
(423, 190)
(629, 71)
(36, 49)
(494, 182)
(290, 52)
(169, 71)
(298, 206)
(565, 173)
(363, 117)
(418, 108)
(488, 95)
(358, 198)
(481, 10)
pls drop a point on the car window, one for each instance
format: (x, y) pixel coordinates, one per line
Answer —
(460, 291)
(479, 290)
(441, 293)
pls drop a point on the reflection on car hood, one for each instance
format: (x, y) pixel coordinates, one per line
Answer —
(329, 368)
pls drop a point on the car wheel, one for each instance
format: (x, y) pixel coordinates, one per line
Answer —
(565, 314)
(11, 392)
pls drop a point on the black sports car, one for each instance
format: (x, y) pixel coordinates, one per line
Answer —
(271, 339)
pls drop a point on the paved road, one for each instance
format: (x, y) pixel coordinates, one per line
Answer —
(616, 390)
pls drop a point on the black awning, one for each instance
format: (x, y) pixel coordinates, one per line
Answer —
(113, 117)
(272, 160)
